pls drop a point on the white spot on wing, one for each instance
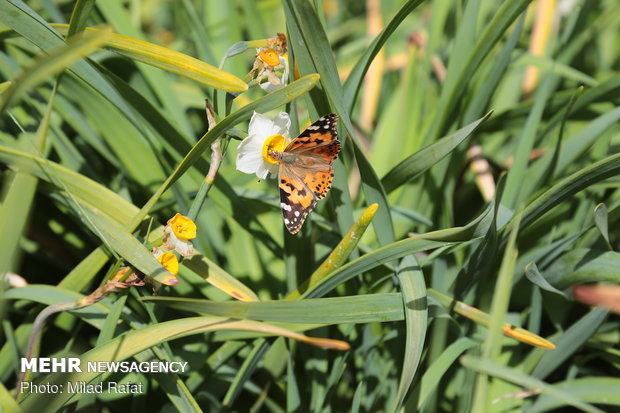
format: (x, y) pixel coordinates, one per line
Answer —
(285, 207)
(296, 213)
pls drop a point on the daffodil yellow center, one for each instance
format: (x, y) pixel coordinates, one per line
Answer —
(270, 57)
(275, 143)
(183, 227)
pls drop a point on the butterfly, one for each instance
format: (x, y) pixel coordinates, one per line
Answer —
(306, 170)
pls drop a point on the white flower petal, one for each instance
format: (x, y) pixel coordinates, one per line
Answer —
(283, 63)
(169, 241)
(185, 248)
(249, 162)
(282, 123)
(260, 125)
(253, 142)
(285, 74)
(267, 169)
(250, 154)
(262, 172)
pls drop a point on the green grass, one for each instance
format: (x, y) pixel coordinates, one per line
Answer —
(429, 279)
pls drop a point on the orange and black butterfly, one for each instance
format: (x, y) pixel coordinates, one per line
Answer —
(306, 170)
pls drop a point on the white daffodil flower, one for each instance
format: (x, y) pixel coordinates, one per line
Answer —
(177, 232)
(272, 64)
(264, 136)
(276, 82)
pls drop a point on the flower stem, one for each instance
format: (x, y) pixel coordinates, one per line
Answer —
(217, 152)
(34, 341)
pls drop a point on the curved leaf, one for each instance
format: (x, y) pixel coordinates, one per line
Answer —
(169, 60)
(569, 342)
(569, 186)
(420, 161)
(532, 274)
(583, 265)
(53, 62)
(416, 320)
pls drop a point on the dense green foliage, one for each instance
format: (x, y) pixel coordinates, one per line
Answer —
(438, 207)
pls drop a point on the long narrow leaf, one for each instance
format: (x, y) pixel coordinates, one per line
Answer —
(170, 60)
(416, 319)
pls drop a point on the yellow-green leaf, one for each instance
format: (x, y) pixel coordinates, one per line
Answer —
(170, 60)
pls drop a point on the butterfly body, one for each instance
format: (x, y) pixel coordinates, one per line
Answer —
(306, 170)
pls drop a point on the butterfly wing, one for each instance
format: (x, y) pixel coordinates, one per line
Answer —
(320, 133)
(296, 199)
(306, 170)
(318, 178)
